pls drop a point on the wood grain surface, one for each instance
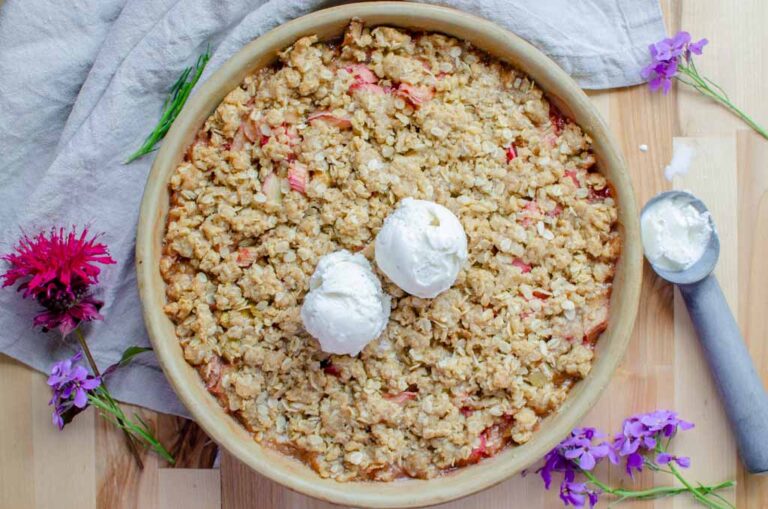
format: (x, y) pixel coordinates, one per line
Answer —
(87, 465)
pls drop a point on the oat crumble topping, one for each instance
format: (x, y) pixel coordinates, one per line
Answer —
(309, 156)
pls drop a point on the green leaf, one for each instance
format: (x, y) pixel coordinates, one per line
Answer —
(131, 352)
(128, 355)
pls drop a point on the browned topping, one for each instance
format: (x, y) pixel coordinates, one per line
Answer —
(309, 157)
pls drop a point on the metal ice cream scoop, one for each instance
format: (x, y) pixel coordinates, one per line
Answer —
(741, 389)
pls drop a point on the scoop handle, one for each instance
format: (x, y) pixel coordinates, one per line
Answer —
(741, 389)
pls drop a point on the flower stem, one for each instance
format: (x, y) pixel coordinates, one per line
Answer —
(87, 351)
(661, 491)
(704, 86)
(111, 410)
(696, 492)
(128, 438)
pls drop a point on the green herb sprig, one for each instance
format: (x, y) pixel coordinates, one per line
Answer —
(137, 432)
(173, 104)
(138, 429)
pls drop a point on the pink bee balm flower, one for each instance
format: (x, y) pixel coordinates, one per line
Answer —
(66, 314)
(57, 271)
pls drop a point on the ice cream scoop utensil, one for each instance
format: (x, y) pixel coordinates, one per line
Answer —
(741, 390)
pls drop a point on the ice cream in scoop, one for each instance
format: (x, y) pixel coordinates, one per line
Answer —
(345, 308)
(421, 247)
(675, 234)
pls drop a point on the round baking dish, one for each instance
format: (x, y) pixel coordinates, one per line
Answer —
(225, 430)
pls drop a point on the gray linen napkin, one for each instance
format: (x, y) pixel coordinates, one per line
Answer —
(82, 83)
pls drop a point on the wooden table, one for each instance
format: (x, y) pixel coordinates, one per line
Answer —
(87, 466)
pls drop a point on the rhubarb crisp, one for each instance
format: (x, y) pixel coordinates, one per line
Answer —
(309, 156)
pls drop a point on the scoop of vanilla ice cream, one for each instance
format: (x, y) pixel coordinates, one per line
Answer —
(421, 247)
(345, 308)
(675, 234)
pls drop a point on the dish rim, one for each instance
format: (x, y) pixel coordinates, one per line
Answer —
(224, 428)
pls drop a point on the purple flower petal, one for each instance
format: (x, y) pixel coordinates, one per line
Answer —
(577, 494)
(546, 476)
(635, 429)
(66, 390)
(663, 50)
(666, 86)
(669, 70)
(647, 71)
(634, 462)
(573, 494)
(587, 462)
(593, 496)
(613, 456)
(601, 450)
(680, 40)
(697, 48)
(683, 461)
(91, 383)
(573, 453)
(79, 373)
(555, 462)
(81, 398)
(70, 384)
(57, 420)
(663, 458)
(629, 447)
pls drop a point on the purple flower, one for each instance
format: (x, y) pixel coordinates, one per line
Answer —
(665, 458)
(70, 383)
(554, 461)
(660, 75)
(580, 449)
(665, 59)
(577, 494)
(697, 48)
(641, 433)
(665, 421)
(576, 452)
(634, 462)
